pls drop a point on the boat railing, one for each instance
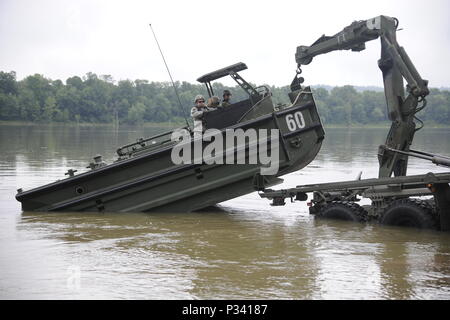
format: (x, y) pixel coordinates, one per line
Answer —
(142, 144)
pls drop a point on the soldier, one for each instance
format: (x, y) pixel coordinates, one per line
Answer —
(226, 98)
(197, 114)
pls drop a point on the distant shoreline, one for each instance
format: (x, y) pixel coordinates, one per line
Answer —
(181, 124)
(97, 100)
(91, 124)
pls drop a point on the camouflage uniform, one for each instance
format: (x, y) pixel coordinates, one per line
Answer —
(224, 102)
(197, 115)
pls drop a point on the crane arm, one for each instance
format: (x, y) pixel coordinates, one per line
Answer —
(395, 65)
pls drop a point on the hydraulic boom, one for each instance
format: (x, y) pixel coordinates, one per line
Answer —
(395, 66)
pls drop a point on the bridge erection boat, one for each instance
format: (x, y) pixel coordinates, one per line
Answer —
(145, 177)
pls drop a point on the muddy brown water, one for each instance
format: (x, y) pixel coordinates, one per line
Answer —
(246, 250)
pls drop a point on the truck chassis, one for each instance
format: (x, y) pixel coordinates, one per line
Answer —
(391, 199)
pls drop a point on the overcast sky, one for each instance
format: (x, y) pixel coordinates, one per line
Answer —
(60, 39)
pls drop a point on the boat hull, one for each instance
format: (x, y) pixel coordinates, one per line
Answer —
(150, 181)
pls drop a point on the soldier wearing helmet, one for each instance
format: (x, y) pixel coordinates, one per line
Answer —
(197, 113)
(226, 98)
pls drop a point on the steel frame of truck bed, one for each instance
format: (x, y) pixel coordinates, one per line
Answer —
(380, 191)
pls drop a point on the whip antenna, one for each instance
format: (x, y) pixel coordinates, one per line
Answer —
(173, 84)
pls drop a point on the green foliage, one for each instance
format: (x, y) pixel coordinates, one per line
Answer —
(49, 110)
(8, 84)
(136, 113)
(98, 99)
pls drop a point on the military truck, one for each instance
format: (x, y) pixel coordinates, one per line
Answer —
(397, 199)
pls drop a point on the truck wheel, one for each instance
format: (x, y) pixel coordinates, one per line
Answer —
(410, 213)
(343, 210)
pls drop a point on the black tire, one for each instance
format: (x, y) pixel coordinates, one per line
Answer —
(410, 213)
(343, 210)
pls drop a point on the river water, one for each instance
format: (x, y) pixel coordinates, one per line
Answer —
(249, 250)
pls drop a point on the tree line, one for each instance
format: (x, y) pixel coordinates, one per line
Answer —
(99, 99)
